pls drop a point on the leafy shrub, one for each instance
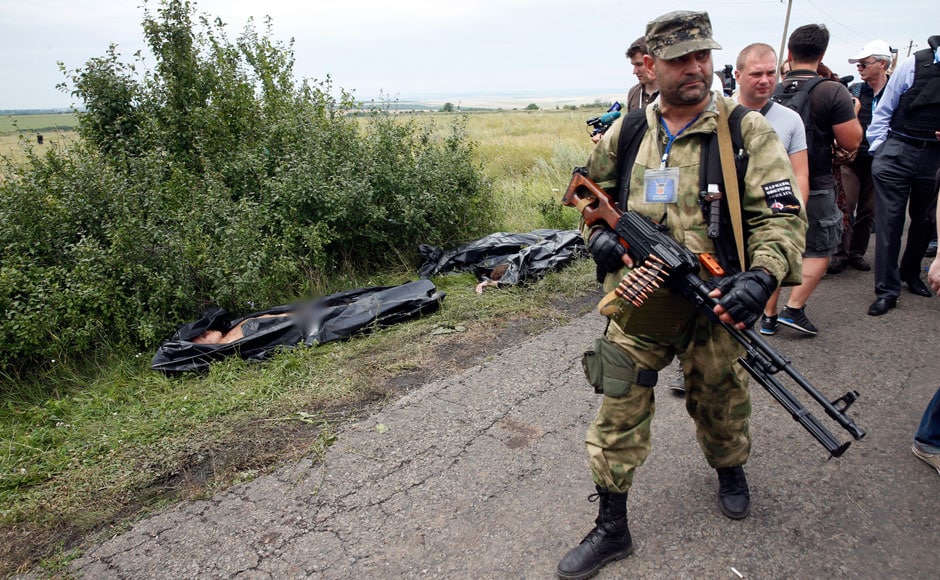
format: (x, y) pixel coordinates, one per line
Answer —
(215, 179)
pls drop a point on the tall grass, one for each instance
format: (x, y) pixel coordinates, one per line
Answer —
(529, 156)
(87, 448)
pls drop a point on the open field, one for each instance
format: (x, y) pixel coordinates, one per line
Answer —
(45, 122)
(20, 131)
(13, 144)
(110, 445)
(529, 156)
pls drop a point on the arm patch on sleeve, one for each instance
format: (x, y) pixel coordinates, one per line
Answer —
(780, 197)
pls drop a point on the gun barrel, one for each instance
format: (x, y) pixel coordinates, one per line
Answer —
(782, 363)
(762, 361)
(796, 410)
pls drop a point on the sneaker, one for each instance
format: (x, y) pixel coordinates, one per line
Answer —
(796, 319)
(932, 459)
(768, 324)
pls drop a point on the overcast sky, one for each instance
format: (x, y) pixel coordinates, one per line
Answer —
(441, 50)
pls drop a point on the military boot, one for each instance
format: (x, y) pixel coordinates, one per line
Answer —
(609, 540)
(734, 498)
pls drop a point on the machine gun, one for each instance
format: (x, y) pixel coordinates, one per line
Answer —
(603, 122)
(660, 260)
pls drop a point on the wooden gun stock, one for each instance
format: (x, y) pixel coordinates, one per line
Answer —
(593, 202)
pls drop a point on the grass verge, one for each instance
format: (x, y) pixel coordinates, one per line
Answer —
(82, 464)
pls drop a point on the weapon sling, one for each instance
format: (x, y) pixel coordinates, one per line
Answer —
(726, 154)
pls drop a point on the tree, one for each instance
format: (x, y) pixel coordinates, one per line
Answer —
(532, 107)
(214, 179)
(447, 108)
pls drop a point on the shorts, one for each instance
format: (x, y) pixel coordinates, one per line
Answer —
(824, 233)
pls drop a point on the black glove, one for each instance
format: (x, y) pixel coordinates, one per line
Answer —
(607, 251)
(745, 294)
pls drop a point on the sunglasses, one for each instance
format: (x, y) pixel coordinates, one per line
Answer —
(864, 65)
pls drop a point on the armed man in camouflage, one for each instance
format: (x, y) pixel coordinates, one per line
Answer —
(664, 184)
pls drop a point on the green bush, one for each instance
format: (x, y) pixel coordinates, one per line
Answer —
(215, 179)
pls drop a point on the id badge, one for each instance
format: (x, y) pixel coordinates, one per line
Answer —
(661, 185)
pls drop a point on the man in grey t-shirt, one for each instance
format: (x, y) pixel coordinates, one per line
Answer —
(756, 78)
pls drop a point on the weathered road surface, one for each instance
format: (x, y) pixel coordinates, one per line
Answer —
(484, 475)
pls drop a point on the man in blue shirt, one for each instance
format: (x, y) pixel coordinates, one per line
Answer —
(904, 137)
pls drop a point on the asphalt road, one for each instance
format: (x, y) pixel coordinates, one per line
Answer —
(484, 475)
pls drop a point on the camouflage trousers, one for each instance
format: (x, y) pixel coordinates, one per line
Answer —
(716, 397)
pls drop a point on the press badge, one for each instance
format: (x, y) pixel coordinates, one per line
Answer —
(661, 185)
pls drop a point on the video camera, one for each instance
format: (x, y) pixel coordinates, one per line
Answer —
(727, 80)
(603, 122)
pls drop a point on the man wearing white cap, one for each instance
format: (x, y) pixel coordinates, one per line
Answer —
(873, 63)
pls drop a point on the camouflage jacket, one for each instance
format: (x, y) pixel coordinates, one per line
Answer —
(773, 217)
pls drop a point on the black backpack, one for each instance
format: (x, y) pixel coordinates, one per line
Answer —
(794, 94)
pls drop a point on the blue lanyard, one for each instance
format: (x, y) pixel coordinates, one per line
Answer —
(672, 138)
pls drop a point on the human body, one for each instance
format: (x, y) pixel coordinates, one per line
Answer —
(832, 118)
(933, 272)
(926, 444)
(638, 97)
(646, 89)
(755, 74)
(904, 137)
(618, 441)
(872, 63)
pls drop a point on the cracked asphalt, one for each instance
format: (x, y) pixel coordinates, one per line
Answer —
(484, 475)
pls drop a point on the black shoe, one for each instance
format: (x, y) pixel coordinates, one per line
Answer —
(836, 264)
(917, 286)
(796, 319)
(881, 306)
(734, 498)
(609, 540)
(859, 263)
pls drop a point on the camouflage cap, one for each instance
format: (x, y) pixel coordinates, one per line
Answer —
(678, 33)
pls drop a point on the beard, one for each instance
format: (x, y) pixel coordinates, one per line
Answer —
(686, 94)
